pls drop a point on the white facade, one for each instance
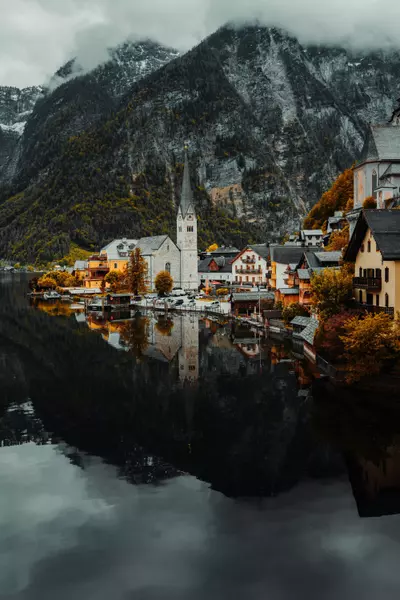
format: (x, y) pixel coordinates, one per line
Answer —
(186, 234)
(160, 254)
(186, 237)
(249, 268)
(312, 237)
(189, 351)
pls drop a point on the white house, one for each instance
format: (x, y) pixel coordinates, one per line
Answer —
(378, 170)
(311, 237)
(251, 265)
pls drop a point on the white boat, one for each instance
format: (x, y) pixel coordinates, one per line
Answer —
(51, 296)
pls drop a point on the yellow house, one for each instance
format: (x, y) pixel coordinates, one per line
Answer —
(97, 269)
(375, 249)
(117, 253)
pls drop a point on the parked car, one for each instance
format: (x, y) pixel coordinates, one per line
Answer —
(178, 292)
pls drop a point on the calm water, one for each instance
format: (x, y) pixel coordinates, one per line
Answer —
(175, 458)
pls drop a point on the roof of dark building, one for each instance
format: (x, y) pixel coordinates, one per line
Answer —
(308, 334)
(287, 254)
(385, 228)
(261, 249)
(302, 321)
(328, 257)
(382, 143)
(289, 291)
(303, 274)
(203, 266)
(225, 250)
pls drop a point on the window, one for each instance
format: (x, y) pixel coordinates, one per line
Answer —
(190, 228)
(369, 246)
(360, 297)
(360, 272)
(247, 277)
(115, 265)
(180, 229)
(378, 273)
(168, 248)
(192, 368)
(362, 248)
(377, 300)
(387, 300)
(168, 267)
(387, 275)
(374, 182)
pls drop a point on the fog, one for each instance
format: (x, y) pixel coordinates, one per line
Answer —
(38, 36)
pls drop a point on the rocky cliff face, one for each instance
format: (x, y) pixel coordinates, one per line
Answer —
(15, 108)
(270, 124)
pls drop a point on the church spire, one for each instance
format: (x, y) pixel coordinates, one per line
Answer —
(186, 195)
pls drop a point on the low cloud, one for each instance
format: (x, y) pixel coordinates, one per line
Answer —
(38, 36)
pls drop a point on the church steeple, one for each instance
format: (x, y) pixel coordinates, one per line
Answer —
(186, 232)
(186, 203)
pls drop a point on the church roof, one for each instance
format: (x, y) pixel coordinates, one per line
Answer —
(385, 228)
(393, 169)
(186, 194)
(382, 143)
(148, 245)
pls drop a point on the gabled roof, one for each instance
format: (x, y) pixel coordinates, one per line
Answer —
(328, 257)
(393, 169)
(308, 334)
(303, 274)
(186, 202)
(80, 265)
(286, 255)
(204, 265)
(261, 249)
(119, 248)
(382, 143)
(227, 250)
(385, 228)
(303, 321)
(148, 245)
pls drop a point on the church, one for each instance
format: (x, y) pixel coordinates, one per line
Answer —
(160, 252)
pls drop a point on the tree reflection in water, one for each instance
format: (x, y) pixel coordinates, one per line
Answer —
(236, 419)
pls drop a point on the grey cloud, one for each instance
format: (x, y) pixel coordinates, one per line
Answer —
(37, 36)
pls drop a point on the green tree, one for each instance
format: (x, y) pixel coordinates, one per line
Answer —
(331, 290)
(292, 311)
(136, 273)
(369, 344)
(164, 283)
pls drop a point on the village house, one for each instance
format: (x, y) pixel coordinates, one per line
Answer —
(215, 270)
(378, 170)
(281, 257)
(117, 253)
(311, 237)
(374, 247)
(250, 266)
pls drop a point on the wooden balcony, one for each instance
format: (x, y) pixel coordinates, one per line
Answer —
(374, 284)
(100, 269)
(249, 271)
(371, 308)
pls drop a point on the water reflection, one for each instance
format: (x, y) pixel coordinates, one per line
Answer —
(239, 411)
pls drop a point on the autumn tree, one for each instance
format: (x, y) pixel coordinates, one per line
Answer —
(331, 290)
(136, 273)
(334, 199)
(164, 326)
(46, 283)
(369, 344)
(292, 311)
(163, 283)
(222, 292)
(369, 202)
(339, 240)
(328, 342)
(135, 334)
(212, 248)
(115, 280)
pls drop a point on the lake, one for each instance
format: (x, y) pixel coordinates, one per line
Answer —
(174, 457)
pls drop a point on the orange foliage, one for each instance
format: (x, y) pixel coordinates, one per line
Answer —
(338, 240)
(369, 202)
(334, 199)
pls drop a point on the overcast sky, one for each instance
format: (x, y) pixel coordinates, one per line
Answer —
(37, 36)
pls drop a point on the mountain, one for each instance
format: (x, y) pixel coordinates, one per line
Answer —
(270, 122)
(15, 107)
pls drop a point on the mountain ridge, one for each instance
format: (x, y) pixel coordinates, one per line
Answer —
(270, 122)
